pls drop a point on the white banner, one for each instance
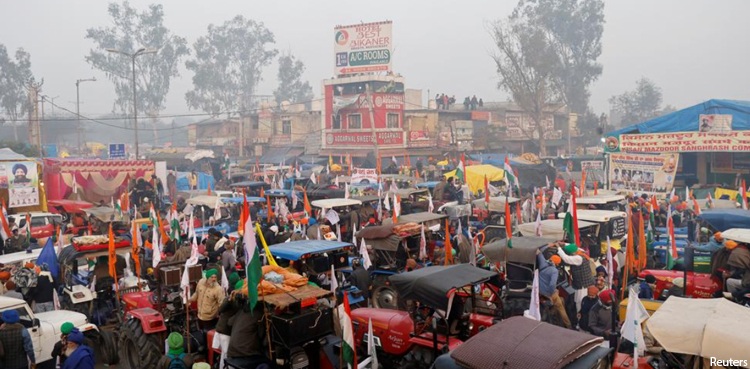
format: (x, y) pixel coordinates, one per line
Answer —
(23, 185)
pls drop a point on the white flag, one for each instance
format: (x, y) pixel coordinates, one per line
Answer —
(366, 262)
(386, 202)
(156, 248)
(547, 178)
(295, 200)
(354, 233)
(217, 209)
(224, 280)
(346, 190)
(127, 272)
(396, 205)
(333, 216)
(556, 197)
(371, 346)
(337, 181)
(334, 281)
(631, 328)
(431, 205)
(533, 311)
(610, 265)
(538, 225)
(393, 159)
(313, 179)
(338, 231)
(422, 245)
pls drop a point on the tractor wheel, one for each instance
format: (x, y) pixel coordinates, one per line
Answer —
(139, 350)
(108, 347)
(385, 297)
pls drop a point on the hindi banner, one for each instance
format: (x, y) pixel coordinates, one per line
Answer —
(23, 184)
(642, 172)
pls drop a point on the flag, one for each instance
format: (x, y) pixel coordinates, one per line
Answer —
(49, 257)
(174, 221)
(269, 209)
(118, 207)
(208, 188)
(313, 179)
(422, 245)
(672, 255)
(134, 250)
(641, 243)
(696, 207)
(366, 262)
(252, 263)
(4, 226)
(574, 212)
(393, 159)
(348, 354)
(244, 214)
(380, 209)
(486, 192)
(610, 265)
(508, 224)
(334, 281)
(336, 181)
(583, 184)
(519, 216)
(396, 206)
(461, 169)
(224, 280)
(266, 250)
(448, 246)
(295, 200)
(630, 245)
(346, 191)
(547, 179)
(217, 209)
(430, 204)
(743, 195)
(354, 233)
(538, 225)
(631, 328)
(371, 346)
(509, 174)
(709, 201)
(387, 203)
(596, 188)
(308, 208)
(112, 255)
(156, 244)
(533, 312)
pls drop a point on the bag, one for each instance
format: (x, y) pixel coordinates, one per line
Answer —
(25, 278)
(177, 362)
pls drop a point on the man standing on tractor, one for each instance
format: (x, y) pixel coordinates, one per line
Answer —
(18, 350)
(580, 270)
(548, 275)
(209, 296)
(79, 355)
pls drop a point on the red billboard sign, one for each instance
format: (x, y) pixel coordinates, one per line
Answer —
(354, 139)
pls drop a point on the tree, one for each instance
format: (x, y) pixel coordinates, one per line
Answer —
(228, 64)
(291, 88)
(573, 30)
(15, 74)
(525, 63)
(22, 148)
(133, 30)
(638, 105)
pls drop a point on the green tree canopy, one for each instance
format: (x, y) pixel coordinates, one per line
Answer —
(291, 87)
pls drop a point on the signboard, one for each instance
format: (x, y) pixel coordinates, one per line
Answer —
(420, 139)
(23, 186)
(521, 126)
(680, 142)
(362, 48)
(49, 151)
(594, 171)
(715, 123)
(117, 151)
(642, 172)
(481, 115)
(3, 175)
(389, 138)
(364, 176)
(592, 165)
(725, 162)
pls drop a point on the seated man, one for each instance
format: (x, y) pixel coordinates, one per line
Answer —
(600, 316)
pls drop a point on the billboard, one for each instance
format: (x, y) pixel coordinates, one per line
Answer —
(642, 172)
(358, 139)
(117, 151)
(362, 48)
(23, 184)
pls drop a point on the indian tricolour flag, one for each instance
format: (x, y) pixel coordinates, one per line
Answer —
(174, 223)
(349, 356)
(252, 267)
(461, 169)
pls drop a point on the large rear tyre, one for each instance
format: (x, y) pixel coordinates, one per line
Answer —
(108, 347)
(139, 350)
(385, 297)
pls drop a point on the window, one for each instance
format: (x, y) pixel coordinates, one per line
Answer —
(255, 124)
(38, 221)
(392, 120)
(354, 121)
(286, 127)
(336, 121)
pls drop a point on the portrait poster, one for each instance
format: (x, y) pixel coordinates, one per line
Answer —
(23, 184)
(3, 175)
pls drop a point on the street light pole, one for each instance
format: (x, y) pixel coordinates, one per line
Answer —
(141, 51)
(78, 109)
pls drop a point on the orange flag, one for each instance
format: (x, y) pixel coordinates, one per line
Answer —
(630, 246)
(162, 233)
(125, 202)
(243, 214)
(641, 243)
(508, 221)
(112, 255)
(395, 216)
(262, 192)
(134, 251)
(582, 191)
(596, 188)
(208, 192)
(269, 212)
(308, 208)
(448, 246)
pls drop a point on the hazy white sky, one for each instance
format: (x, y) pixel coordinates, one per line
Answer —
(694, 49)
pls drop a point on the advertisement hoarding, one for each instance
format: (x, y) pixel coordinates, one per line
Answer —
(24, 184)
(357, 139)
(643, 172)
(362, 48)
(117, 151)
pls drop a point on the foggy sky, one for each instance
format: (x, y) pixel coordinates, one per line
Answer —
(694, 50)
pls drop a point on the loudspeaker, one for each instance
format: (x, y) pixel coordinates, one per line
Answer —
(339, 259)
(170, 276)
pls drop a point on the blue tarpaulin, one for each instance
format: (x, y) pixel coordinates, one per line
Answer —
(687, 119)
(183, 184)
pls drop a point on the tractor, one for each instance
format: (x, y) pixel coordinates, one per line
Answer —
(150, 316)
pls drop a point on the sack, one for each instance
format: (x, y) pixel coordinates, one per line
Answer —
(25, 278)
(177, 362)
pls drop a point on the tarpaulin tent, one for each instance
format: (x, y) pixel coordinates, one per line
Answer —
(95, 180)
(475, 175)
(183, 184)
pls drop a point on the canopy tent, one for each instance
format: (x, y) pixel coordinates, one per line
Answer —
(688, 119)
(95, 180)
(7, 154)
(475, 175)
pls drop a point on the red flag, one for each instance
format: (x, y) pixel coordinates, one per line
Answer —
(448, 246)
(596, 188)
(630, 262)
(519, 215)
(112, 255)
(670, 227)
(244, 214)
(508, 221)
(486, 191)
(574, 212)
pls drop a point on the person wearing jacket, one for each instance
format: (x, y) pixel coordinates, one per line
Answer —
(738, 276)
(43, 293)
(600, 316)
(58, 351)
(79, 355)
(580, 270)
(548, 275)
(591, 299)
(176, 344)
(16, 348)
(209, 295)
(246, 338)
(713, 245)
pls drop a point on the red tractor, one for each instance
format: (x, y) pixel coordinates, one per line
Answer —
(697, 285)
(151, 316)
(445, 312)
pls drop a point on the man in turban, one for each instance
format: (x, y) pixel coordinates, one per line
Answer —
(16, 343)
(176, 356)
(209, 295)
(79, 355)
